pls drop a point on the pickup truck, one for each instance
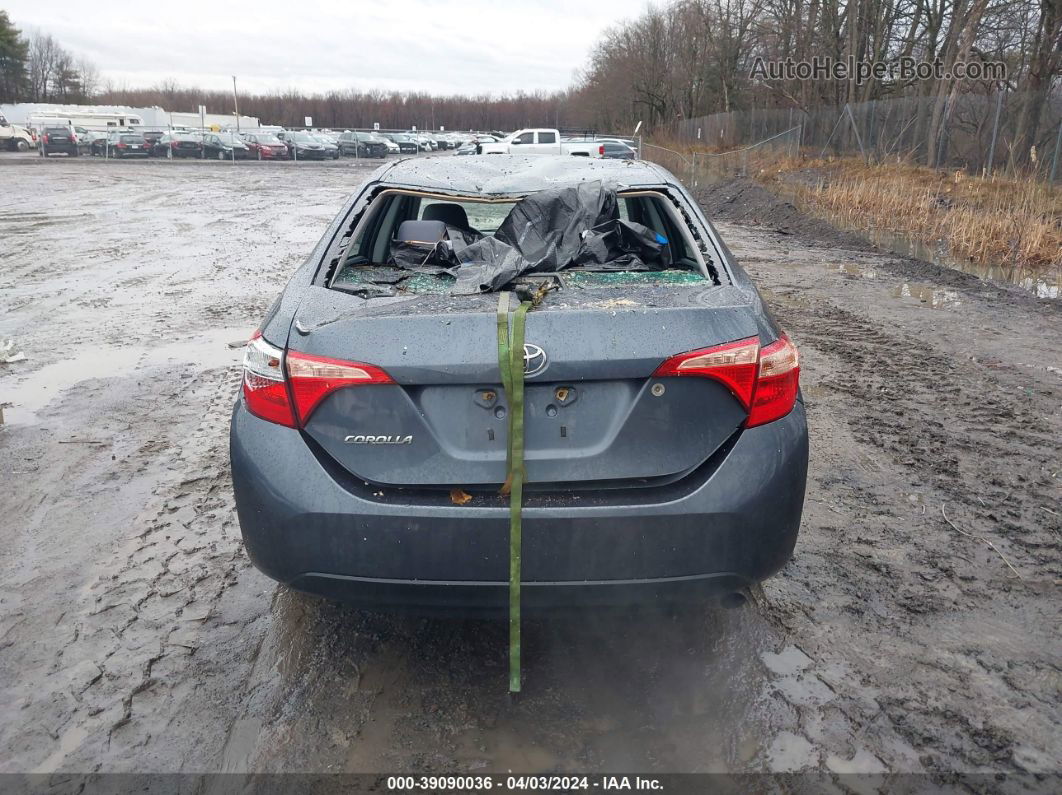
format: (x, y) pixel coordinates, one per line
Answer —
(15, 138)
(542, 141)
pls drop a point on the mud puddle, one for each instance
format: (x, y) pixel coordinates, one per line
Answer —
(928, 294)
(1039, 282)
(24, 396)
(632, 690)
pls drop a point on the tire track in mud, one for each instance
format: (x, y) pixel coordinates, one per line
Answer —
(1009, 442)
(139, 619)
(908, 428)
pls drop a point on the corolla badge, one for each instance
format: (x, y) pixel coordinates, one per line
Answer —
(534, 360)
(363, 439)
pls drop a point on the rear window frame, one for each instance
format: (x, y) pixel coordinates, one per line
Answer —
(362, 213)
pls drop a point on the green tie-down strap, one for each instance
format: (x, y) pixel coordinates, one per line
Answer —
(511, 364)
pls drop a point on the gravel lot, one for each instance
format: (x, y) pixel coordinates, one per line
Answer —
(916, 629)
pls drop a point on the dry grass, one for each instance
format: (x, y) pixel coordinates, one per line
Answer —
(996, 221)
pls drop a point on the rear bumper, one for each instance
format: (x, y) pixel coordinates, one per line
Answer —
(304, 528)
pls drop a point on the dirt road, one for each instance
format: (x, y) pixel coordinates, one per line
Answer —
(915, 630)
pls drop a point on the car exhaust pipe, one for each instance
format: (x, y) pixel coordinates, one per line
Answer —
(734, 599)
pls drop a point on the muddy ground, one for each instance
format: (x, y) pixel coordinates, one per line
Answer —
(915, 630)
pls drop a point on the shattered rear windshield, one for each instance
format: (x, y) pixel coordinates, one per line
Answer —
(415, 242)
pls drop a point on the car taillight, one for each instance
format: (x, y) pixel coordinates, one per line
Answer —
(777, 383)
(601, 149)
(44, 138)
(265, 389)
(173, 144)
(286, 388)
(120, 145)
(764, 381)
(313, 378)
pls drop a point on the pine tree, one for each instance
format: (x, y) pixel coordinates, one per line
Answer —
(13, 53)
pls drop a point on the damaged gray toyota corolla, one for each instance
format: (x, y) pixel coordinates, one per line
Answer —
(665, 436)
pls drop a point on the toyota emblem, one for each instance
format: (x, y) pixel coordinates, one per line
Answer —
(534, 360)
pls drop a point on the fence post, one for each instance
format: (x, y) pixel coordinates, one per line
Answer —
(834, 130)
(995, 134)
(855, 129)
(1058, 145)
(943, 132)
(872, 144)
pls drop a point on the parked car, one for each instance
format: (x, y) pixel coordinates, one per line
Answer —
(225, 146)
(152, 137)
(617, 150)
(542, 141)
(471, 147)
(84, 139)
(179, 144)
(422, 141)
(392, 147)
(440, 141)
(407, 145)
(98, 143)
(265, 146)
(303, 146)
(58, 140)
(123, 143)
(330, 144)
(666, 465)
(362, 144)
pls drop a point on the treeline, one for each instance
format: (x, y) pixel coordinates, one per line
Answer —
(342, 109)
(695, 57)
(686, 59)
(36, 68)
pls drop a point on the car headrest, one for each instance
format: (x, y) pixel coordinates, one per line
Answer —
(450, 214)
(426, 232)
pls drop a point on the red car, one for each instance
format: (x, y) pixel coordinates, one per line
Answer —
(266, 146)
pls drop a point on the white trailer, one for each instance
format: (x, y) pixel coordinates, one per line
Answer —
(88, 120)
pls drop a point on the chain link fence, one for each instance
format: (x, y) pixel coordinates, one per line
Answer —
(695, 168)
(980, 133)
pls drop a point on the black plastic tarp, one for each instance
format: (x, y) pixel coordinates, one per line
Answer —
(546, 232)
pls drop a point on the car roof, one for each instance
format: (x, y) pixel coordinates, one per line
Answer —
(517, 174)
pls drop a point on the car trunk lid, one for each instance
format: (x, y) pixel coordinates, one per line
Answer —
(594, 415)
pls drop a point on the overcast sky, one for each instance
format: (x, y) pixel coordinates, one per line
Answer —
(441, 46)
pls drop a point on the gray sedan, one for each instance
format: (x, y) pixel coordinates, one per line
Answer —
(665, 445)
